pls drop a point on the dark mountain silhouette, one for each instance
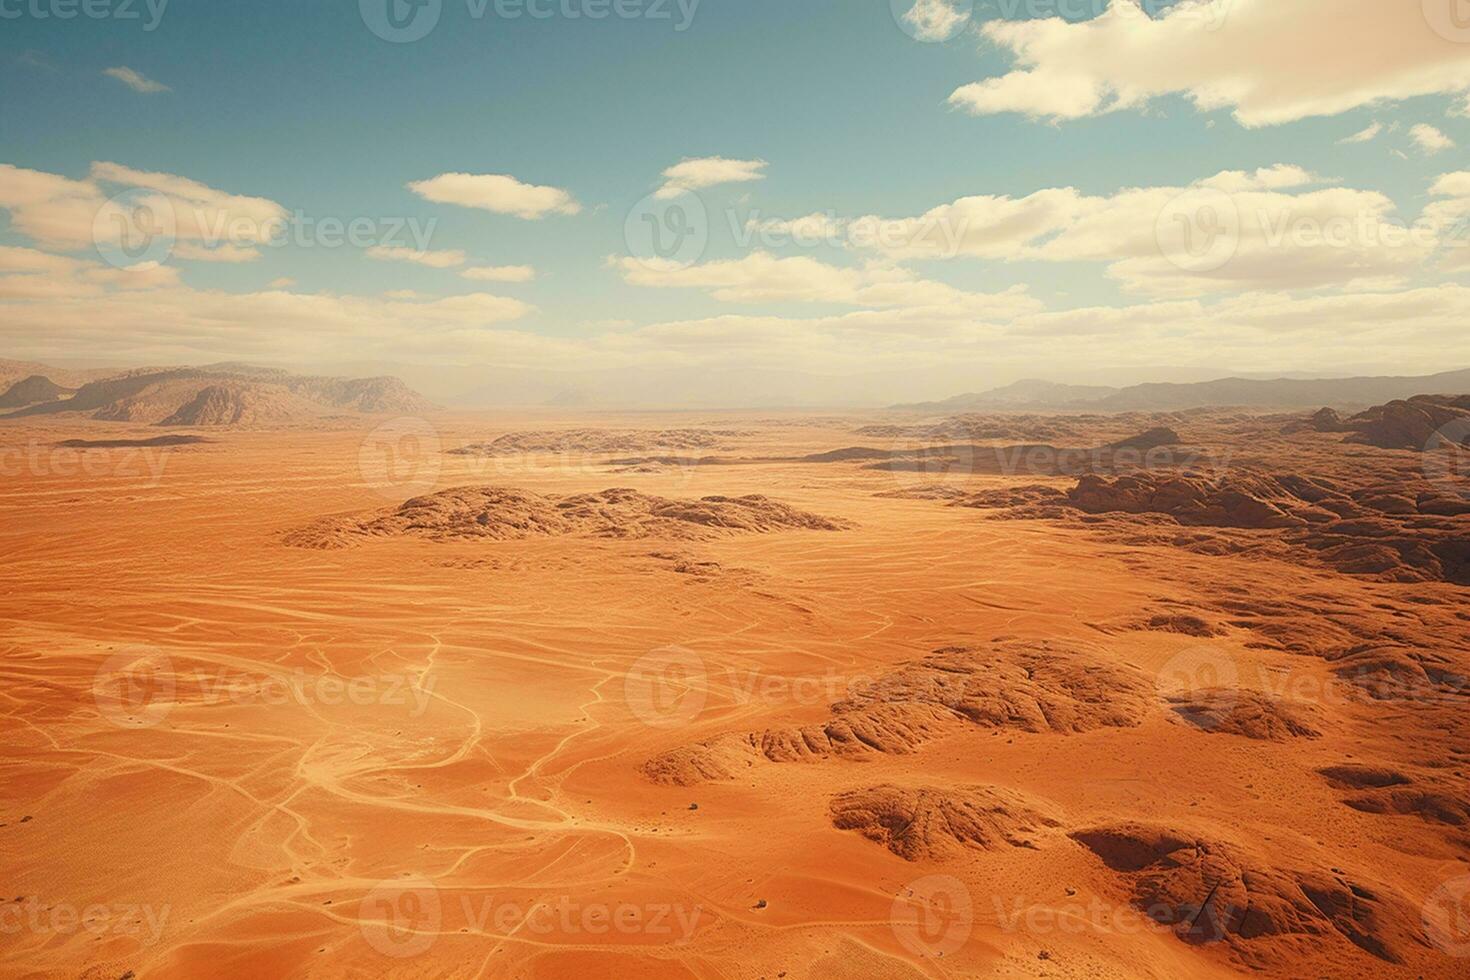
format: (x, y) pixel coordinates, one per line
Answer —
(30, 391)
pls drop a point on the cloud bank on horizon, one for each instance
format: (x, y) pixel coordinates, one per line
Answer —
(1346, 245)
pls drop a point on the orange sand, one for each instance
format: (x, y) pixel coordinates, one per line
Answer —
(181, 771)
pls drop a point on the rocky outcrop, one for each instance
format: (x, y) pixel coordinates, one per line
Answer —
(927, 823)
(230, 394)
(1027, 686)
(1419, 423)
(506, 513)
(1210, 891)
(1245, 712)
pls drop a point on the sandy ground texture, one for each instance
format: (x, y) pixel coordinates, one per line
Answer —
(720, 696)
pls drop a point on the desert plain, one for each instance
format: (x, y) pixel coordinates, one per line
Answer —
(735, 695)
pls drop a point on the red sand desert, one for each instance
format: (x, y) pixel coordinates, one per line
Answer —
(735, 696)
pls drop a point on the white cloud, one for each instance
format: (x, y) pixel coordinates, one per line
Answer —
(1266, 60)
(135, 80)
(284, 282)
(55, 306)
(95, 310)
(64, 214)
(1236, 230)
(1450, 215)
(1363, 136)
(440, 259)
(1430, 140)
(500, 273)
(213, 253)
(756, 277)
(698, 173)
(28, 274)
(761, 277)
(499, 193)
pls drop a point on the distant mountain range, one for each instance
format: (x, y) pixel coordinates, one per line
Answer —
(1046, 396)
(212, 395)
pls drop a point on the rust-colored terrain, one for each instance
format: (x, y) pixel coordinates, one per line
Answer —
(432, 695)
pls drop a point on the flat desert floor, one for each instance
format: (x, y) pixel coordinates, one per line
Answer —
(892, 718)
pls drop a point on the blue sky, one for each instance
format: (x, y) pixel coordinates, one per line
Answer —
(301, 105)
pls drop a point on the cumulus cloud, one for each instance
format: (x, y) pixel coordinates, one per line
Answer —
(498, 193)
(499, 273)
(1450, 216)
(1271, 228)
(93, 309)
(116, 203)
(135, 80)
(761, 277)
(29, 274)
(1430, 140)
(434, 259)
(1263, 59)
(191, 252)
(697, 173)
